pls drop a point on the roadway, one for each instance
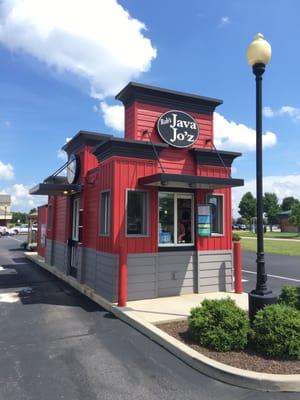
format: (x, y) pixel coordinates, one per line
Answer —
(57, 344)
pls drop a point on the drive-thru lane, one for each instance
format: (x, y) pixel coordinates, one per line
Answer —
(281, 270)
(57, 344)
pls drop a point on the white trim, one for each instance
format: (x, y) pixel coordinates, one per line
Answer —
(217, 234)
(176, 196)
(108, 213)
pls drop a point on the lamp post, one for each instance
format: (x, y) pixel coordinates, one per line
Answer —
(259, 54)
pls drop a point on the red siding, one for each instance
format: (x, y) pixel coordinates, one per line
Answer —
(126, 174)
(140, 117)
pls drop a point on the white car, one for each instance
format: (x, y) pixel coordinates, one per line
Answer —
(23, 228)
(4, 231)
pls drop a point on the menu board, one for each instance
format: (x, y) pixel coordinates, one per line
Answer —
(204, 220)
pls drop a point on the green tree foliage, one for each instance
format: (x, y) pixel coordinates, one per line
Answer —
(288, 202)
(295, 215)
(271, 208)
(19, 216)
(33, 211)
(247, 207)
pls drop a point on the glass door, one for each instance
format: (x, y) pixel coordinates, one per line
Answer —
(176, 219)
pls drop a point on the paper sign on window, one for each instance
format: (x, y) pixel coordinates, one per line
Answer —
(204, 220)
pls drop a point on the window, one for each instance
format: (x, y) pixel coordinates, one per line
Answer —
(75, 220)
(104, 213)
(176, 219)
(216, 202)
(137, 213)
(50, 216)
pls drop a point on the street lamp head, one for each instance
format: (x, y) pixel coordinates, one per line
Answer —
(259, 51)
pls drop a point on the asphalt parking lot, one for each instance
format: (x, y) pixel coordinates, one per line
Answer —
(57, 344)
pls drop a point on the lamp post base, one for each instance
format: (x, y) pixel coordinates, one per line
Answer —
(258, 301)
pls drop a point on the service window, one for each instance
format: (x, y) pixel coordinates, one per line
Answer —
(105, 213)
(176, 219)
(217, 213)
(137, 213)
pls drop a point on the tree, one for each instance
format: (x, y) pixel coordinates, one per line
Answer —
(271, 208)
(247, 207)
(288, 202)
(295, 215)
(19, 217)
(32, 211)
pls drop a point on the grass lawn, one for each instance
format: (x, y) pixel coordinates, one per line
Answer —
(284, 247)
(275, 235)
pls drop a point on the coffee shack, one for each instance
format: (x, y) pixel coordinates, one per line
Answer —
(147, 215)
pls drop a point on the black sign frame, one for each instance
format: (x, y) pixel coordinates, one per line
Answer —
(186, 135)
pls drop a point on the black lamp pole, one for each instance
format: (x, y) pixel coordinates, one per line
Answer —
(261, 295)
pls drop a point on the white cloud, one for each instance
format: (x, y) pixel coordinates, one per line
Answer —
(113, 116)
(61, 154)
(95, 40)
(230, 135)
(224, 21)
(290, 111)
(6, 171)
(268, 112)
(283, 186)
(21, 200)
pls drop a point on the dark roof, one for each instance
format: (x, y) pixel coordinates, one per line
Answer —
(189, 181)
(166, 97)
(128, 148)
(85, 138)
(54, 189)
(214, 157)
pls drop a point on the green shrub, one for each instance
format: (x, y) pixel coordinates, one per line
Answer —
(236, 237)
(276, 331)
(290, 295)
(220, 325)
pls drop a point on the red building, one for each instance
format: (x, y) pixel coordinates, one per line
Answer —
(161, 196)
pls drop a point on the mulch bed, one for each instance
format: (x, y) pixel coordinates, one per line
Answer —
(246, 359)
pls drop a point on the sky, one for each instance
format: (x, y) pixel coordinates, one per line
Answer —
(63, 61)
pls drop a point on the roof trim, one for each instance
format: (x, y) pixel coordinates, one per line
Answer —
(166, 97)
(54, 189)
(211, 157)
(85, 138)
(189, 181)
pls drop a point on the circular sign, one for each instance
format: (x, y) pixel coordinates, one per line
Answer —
(72, 168)
(178, 128)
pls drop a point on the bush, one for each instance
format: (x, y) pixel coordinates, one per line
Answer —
(290, 295)
(220, 325)
(276, 331)
(236, 237)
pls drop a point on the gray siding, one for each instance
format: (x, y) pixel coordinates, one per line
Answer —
(160, 274)
(100, 272)
(48, 256)
(59, 255)
(215, 271)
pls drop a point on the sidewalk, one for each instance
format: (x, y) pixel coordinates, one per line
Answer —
(166, 309)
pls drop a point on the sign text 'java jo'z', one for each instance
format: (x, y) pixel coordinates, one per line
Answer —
(178, 128)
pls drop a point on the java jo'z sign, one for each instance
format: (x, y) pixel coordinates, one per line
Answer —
(178, 128)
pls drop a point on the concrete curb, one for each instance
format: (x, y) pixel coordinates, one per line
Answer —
(203, 364)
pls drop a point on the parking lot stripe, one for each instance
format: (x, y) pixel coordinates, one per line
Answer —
(274, 276)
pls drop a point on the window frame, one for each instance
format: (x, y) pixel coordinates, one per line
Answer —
(129, 235)
(187, 195)
(220, 195)
(76, 219)
(106, 212)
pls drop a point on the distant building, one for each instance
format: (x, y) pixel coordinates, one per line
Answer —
(5, 214)
(285, 225)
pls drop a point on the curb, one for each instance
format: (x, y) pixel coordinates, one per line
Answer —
(214, 369)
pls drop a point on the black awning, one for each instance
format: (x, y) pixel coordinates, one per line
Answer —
(189, 181)
(55, 189)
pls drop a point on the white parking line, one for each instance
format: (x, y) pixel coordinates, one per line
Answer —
(17, 240)
(274, 276)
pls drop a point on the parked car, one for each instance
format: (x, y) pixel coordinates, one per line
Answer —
(23, 228)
